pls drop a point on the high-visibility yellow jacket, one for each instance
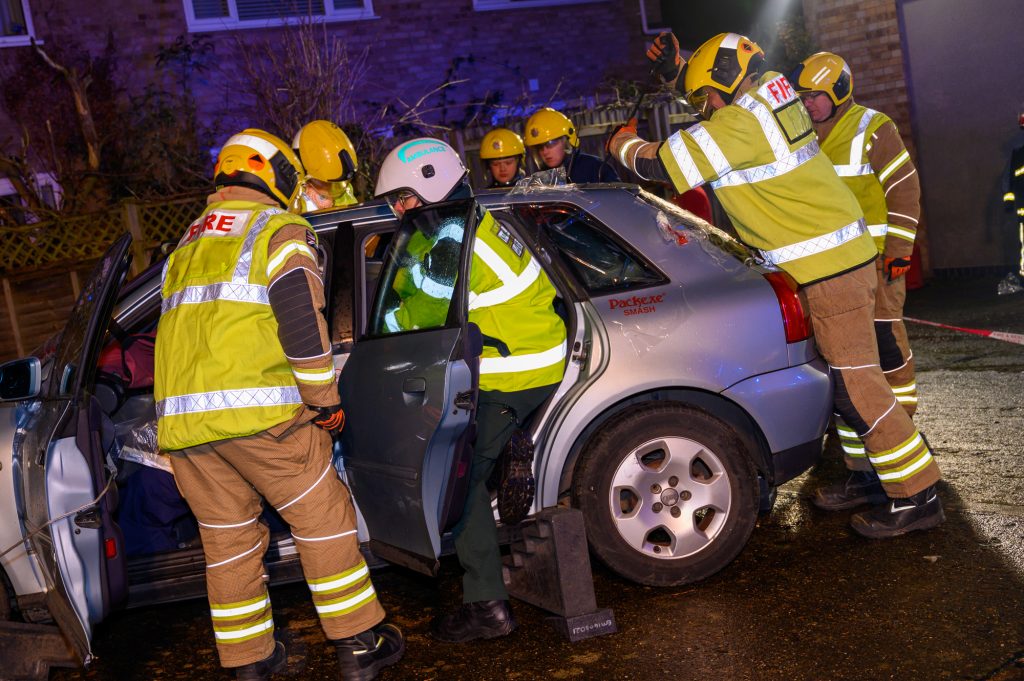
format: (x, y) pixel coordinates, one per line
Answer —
(761, 157)
(510, 299)
(220, 369)
(866, 150)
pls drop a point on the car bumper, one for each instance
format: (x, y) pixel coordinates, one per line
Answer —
(792, 407)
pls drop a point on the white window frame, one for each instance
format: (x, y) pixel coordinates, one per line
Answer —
(232, 22)
(489, 5)
(21, 40)
(42, 180)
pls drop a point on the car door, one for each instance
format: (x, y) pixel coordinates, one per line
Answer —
(82, 547)
(409, 388)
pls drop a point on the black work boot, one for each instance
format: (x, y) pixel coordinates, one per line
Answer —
(862, 487)
(480, 619)
(361, 657)
(922, 511)
(261, 671)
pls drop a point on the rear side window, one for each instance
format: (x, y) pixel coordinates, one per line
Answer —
(601, 262)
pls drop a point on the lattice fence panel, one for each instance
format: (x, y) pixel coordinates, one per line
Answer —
(160, 222)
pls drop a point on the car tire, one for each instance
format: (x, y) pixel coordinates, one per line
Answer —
(644, 527)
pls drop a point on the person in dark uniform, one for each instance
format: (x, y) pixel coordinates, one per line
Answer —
(553, 142)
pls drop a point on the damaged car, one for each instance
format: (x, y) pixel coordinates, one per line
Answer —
(692, 390)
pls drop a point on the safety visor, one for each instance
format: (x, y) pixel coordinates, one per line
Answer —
(403, 198)
(698, 99)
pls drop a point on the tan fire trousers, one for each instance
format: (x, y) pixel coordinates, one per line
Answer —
(222, 482)
(842, 311)
(894, 352)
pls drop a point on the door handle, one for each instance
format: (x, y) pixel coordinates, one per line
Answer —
(414, 385)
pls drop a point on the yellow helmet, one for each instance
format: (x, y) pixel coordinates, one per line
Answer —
(824, 72)
(501, 143)
(261, 161)
(326, 151)
(722, 63)
(547, 124)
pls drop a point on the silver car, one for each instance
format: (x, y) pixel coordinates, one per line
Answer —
(692, 389)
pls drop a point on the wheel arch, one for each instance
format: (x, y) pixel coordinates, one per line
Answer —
(715, 404)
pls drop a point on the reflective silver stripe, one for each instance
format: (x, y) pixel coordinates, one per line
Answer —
(769, 170)
(243, 554)
(241, 273)
(365, 595)
(684, 160)
(227, 399)
(818, 244)
(258, 628)
(519, 363)
(391, 321)
(432, 287)
(771, 130)
(857, 144)
(241, 610)
(900, 232)
(330, 467)
(878, 230)
(853, 170)
(287, 252)
(328, 538)
(892, 456)
(512, 284)
(238, 289)
(225, 290)
(710, 148)
(341, 582)
(905, 472)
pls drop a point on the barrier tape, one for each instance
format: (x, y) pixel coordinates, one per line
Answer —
(1017, 338)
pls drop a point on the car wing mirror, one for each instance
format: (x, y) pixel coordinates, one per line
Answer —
(20, 379)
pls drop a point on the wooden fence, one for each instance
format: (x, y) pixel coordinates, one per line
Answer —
(43, 264)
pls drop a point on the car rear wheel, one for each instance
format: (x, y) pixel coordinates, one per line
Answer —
(668, 492)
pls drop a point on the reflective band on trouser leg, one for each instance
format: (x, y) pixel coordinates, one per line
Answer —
(894, 351)
(234, 543)
(907, 468)
(296, 477)
(235, 623)
(854, 454)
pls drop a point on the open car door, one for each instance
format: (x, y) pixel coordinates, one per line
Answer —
(83, 548)
(409, 388)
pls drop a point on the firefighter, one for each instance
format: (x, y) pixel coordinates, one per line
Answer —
(329, 158)
(866, 151)
(554, 143)
(504, 154)
(511, 299)
(757, 149)
(247, 402)
(1014, 196)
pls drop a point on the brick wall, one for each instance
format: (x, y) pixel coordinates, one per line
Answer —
(569, 48)
(866, 33)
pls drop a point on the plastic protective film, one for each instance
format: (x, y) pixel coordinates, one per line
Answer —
(679, 226)
(137, 438)
(542, 179)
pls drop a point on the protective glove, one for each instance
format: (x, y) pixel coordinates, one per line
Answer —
(664, 55)
(896, 267)
(628, 128)
(331, 419)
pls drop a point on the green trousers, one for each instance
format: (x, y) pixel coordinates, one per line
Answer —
(476, 535)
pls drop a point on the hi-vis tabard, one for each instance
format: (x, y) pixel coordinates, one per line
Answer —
(762, 159)
(846, 146)
(510, 299)
(220, 369)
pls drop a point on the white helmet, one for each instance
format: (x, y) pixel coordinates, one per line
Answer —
(428, 167)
